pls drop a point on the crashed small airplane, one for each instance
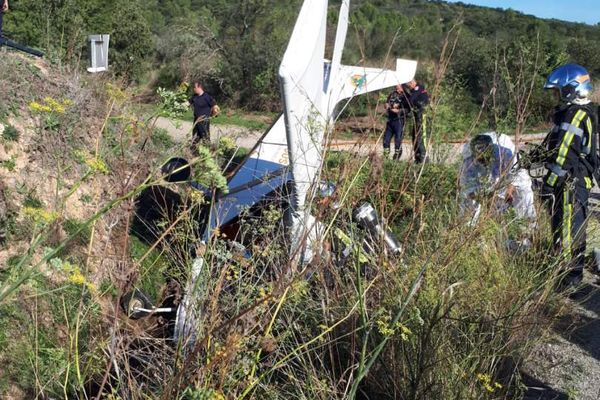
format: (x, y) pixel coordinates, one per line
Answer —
(291, 153)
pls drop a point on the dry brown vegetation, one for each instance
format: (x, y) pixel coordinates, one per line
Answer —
(451, 318)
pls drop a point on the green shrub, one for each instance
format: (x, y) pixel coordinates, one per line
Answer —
(162, 139)
(10, 164)
(32, 201)
(80, 232)
(10, 134)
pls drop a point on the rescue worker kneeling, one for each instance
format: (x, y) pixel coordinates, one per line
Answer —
(571, 163)
(490, 171)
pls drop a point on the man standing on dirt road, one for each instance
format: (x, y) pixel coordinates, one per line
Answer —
(397, 107)
(572, 161)
(418, 99)
(205, 107)
(3, 9)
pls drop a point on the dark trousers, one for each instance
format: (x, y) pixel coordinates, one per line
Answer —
(569, 212)
(1, 18)
(419, 137)
(201, 132)
(395, 128)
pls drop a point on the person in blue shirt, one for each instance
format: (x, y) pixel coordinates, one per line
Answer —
(204, 107)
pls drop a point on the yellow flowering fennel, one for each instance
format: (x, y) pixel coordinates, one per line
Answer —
(97, 165)
(76, 277)
(385, 329)
(50, 106)
(40, 215)
(486, 381)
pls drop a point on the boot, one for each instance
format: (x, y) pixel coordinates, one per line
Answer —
(397, 154)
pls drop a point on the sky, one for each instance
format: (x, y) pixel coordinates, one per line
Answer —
(587, 11)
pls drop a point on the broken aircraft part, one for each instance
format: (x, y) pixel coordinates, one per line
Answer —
(20, 47)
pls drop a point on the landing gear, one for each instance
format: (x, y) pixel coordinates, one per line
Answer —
(137, 304)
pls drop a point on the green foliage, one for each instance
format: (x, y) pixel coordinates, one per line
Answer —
(242, 120)
(10, 133)
(153, 269)
(201, 394)
(173, 104)
(162, 139)
(207, 171)
(10, 164)
(61, 29)
(32, 201)
(188, 49)
(79, 231)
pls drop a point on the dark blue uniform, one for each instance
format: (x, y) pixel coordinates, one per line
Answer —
(203, 105)
(395, 123)
(418, 99)
(571, 164)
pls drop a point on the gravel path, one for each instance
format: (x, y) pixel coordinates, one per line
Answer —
(447, 152)
(566, 365)
(181, 131)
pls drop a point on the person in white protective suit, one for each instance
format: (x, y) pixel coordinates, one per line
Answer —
(490, 169)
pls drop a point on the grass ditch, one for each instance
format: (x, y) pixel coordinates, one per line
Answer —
(451, 318)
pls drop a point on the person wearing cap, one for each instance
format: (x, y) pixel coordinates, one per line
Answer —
(490, 171)
(571, 160)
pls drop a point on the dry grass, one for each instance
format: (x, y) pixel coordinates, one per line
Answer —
(450, 318)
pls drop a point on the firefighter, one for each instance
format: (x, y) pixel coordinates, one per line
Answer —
(571, 160)
(418, 100)
(397, 108)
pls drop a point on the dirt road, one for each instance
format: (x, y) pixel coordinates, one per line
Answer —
(180, 131)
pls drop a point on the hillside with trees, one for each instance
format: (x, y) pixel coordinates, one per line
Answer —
(236, 46)
(90, 217)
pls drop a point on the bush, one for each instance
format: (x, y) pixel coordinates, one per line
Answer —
(10, 133)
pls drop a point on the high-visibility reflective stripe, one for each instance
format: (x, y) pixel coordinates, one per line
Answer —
(564, 148)
(588, 182)
(587, 148)
(424, 129)
(552, 178)
(566, 225)
(579, 116)
(556, 169)
(575, 129)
